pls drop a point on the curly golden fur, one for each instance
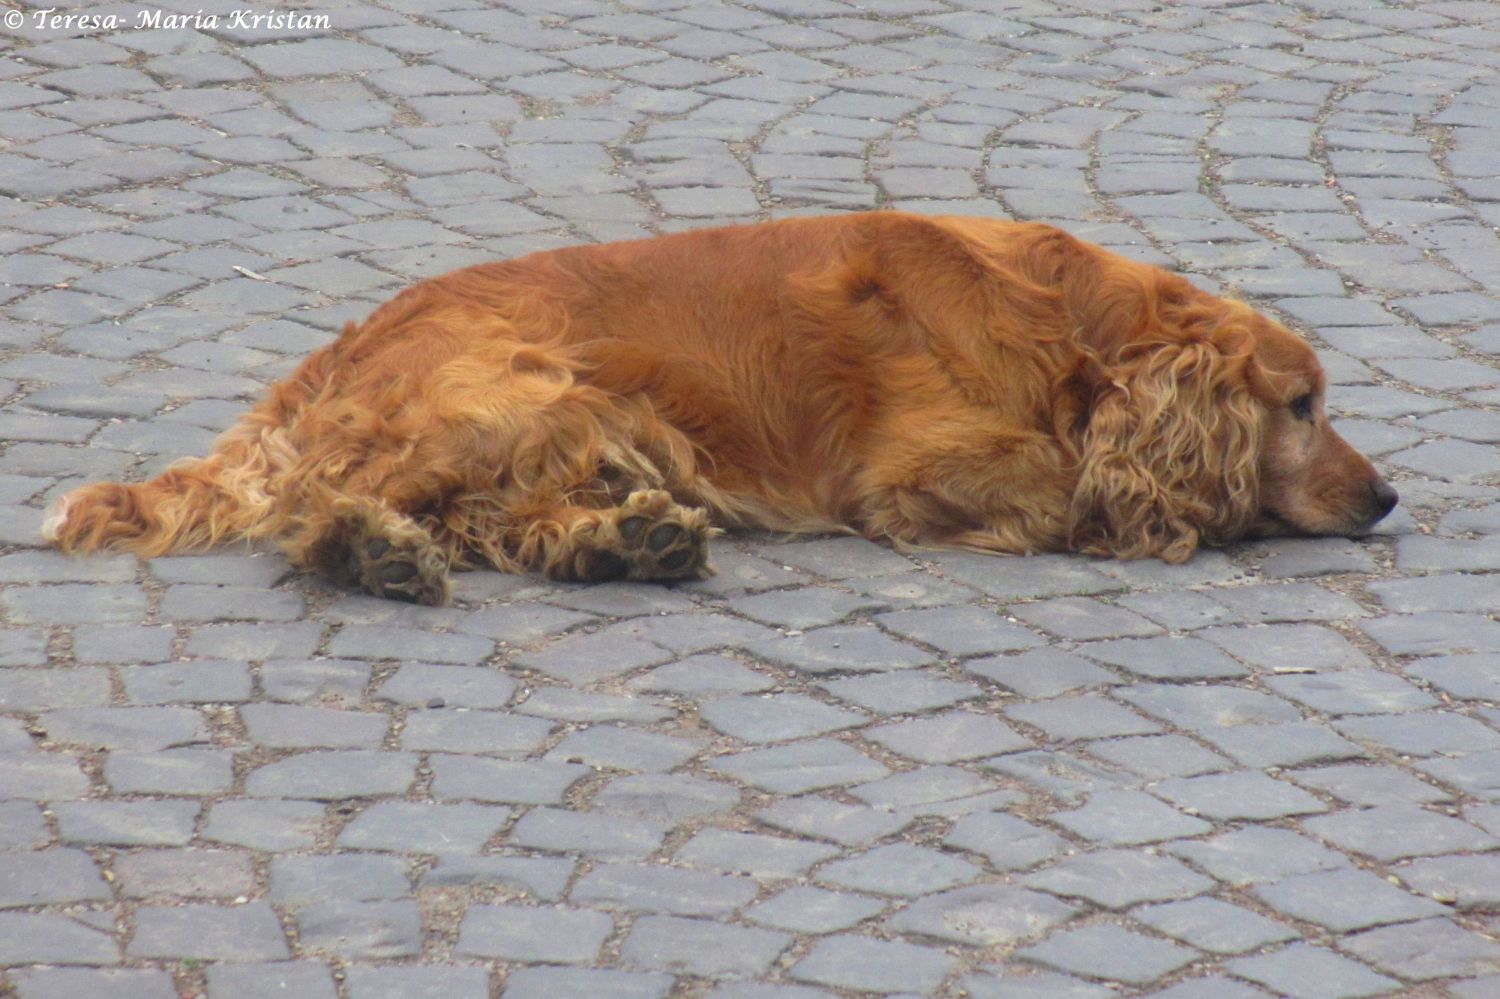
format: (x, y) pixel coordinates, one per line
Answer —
(588, 412)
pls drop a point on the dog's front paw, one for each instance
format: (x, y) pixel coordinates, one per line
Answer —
(649, 536)
(398, 568)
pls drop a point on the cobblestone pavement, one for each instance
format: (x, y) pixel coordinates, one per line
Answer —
(832, 769)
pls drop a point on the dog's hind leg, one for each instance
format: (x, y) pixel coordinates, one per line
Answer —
(385, 553)
(648, 536)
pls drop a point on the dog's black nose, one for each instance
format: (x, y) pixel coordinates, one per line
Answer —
(1386, 498)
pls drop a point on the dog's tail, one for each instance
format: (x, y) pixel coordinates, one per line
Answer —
(193, 505)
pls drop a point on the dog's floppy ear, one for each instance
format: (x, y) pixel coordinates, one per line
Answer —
(1169, 454)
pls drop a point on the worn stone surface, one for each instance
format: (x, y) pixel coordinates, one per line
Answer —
(833, 769)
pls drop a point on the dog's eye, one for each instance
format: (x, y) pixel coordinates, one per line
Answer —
(1302, 407)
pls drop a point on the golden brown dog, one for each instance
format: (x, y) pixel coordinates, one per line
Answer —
(590, 412)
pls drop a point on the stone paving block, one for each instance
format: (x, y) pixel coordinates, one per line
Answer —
(185, 873)
(361, 930)
(1084, 619)
(1117, 879)
(1434, 633)
(1343, 900)
(983, 915)
(330, 775)
(652, 888)
(1238, 795)
(126, 823)
(1044, 672)
(45, 938)
(959, 631)
(755, 854)
(519, 623)
(803, 909)
(419, 827)
(1119, 818)
(583, 659)
(1467, 882)
(608, 837)
(527, 782)
(1256, 854)
(103, 983)
(777, 717)
(300, 680)
(899, 870)
(367, 641)
(296, 727)
(808, 607)
(545, 878)
(563, 704)
(865, 963)
(1431, 948)
(702, 948)
(1472, 773)
(702, 674)
(1006, 842)
(24, 689)
(546, 982)
(1086, 716)
(800, 767)
(1302, 971)
(1168, 658)
(666, 797)
(843, 648)
(249, 932)
(264, 825)
(1109, 952)
(1068, 776)
(616, 748)
(452, 981)
(1357, 691)
(49, 877)
(74, 603)
(1395, 831)
(934, 790)
(1278, 646)
(263, 980)
(39, 777)
(900, 693)
(948, 737)
(21, 825)
(1214, 925)
(203, 681)
(1371, 785)
(526, 933)
(1422, 733)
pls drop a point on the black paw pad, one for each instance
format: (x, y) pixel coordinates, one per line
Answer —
(398, 572)
(662, 537)
(631, 528)
(604, 566)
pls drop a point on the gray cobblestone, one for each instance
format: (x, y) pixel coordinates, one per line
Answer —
(865, 964)
(361, 930)
(650, 888)
(1109, 952)
(247, 932)
(186, 873)
(1344, 900)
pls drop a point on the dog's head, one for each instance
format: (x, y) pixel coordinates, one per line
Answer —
(1311, 480)
(1206, 422)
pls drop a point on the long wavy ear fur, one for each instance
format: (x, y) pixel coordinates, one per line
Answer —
(1169, 454)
